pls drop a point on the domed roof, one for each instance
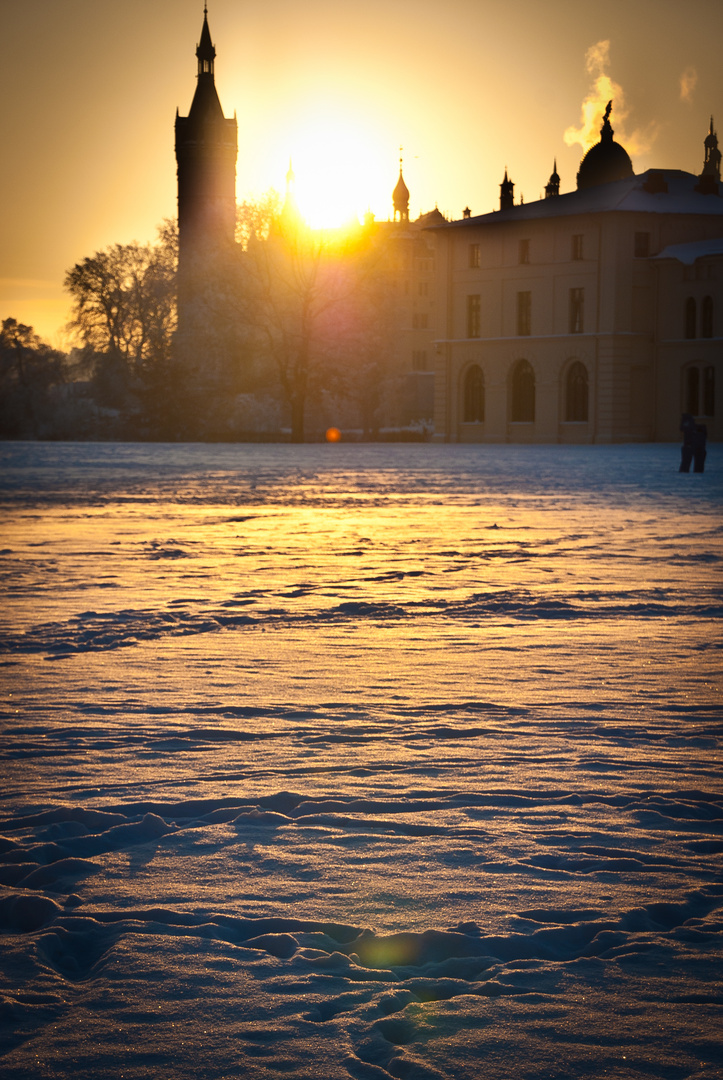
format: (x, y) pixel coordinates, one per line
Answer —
(400, 195)
(606, 161)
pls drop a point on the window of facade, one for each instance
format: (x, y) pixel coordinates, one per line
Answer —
(423, 289)
(523, 393)
(576, 393)
(474, 255)
(576, 247)
(524, 312)
(641, 247)
(706, 317)
(473, 316)
(524, 251)
(699, 390)
(577, 310)
(419, 320)
(689, 328)
(473, 396)
(419, 360)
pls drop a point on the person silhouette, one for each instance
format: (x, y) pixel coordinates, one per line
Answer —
(687, 426)
(699, 450)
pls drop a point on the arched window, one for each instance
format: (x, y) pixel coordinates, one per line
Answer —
(692, 389)
(690, 317)
(523, 393)
(706, 317)
(473, 405)
(576, 392)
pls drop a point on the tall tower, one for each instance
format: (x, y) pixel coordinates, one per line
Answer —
(206, 152)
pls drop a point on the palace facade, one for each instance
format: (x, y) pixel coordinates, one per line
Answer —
(592, 316)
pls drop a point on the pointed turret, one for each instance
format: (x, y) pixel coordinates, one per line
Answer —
(205, 106)
(205, 50)
(290, 216)
(710, 176)
(507, 193)
(400, 197)
(552, 187)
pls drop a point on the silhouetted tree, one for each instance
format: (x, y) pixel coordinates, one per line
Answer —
(124, 312)
(29, 370)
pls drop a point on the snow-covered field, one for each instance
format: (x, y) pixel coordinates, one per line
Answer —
(360, 761)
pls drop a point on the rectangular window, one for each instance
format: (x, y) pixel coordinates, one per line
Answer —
(642, 245)
(524, 311)
(419, 321)
(473, 316)
(577, 310)
(423, 289)
(576, 247)
(524, 251)
(474, 256)
(419, 360)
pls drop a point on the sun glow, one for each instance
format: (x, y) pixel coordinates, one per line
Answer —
(339, 172)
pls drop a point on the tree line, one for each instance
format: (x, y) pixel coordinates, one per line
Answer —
(286, 333)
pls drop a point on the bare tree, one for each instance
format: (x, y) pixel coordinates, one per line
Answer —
(124, 299)
(296, 286)
(124, 313)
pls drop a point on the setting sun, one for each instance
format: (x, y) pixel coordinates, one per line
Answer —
(338, 170)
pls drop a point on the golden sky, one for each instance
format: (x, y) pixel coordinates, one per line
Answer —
(89, 90)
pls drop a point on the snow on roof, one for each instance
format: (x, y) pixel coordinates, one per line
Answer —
(689, 253)
(638, 194)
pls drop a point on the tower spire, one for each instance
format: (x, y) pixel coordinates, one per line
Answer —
(205, 50)
(206, 151)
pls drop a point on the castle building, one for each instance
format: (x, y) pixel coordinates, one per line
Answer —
(591, 316)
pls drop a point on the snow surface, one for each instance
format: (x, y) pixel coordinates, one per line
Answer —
(360, 761)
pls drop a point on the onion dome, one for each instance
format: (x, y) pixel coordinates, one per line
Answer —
(400, 197)
(606, 161)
